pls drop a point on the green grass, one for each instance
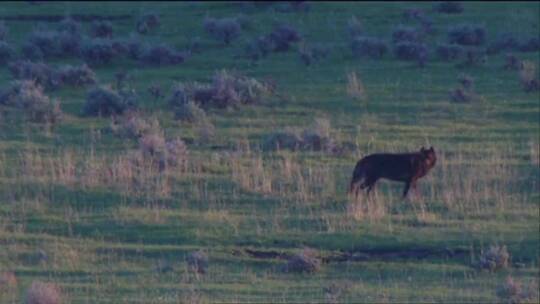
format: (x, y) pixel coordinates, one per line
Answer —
(103, 240)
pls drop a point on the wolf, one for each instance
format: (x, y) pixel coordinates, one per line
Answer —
(403, 167)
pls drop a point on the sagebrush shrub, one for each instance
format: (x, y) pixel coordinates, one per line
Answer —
(152, 144)
(495, 258)
(177, 153)
(354, 27)
(473, 57)
(530, 45)
(161, 55)
(197, 262)
(69, 25)
(282, 140)
(410, 51)
(512, 63)
(104, 101)
(8, 280)
(131, 47)
(406, 34)
(467, 34)
(43, 293)
(283, 36)
(147, 23)
(131, 124)
(313, 54)
(528, 77)
(98, 51)
(29, 96)
(225, 30)
(101, 29)
(40, 73)
(292, 6)
(259, 48)
(6, 52)
(448, 7)
(449, 52)
(76, 75)
(4, 30)
(226, 90)
(503, 42)
(305, 261)
(369, 46)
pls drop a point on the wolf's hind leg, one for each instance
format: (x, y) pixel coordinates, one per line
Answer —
(406, 189)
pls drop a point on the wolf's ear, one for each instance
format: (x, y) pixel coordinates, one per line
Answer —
(431, 149)
(422, 149)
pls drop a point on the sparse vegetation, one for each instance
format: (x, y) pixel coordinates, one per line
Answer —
(168, 164)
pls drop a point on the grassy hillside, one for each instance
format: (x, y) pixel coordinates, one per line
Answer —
(94, 211)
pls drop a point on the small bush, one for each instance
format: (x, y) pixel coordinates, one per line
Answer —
(259, 48)
(197, 262)
(101, 29)
(43, 293)
(46, 41)
(162, 55)
(406, 34)
(189, 112)
(132, 125)
(104, 101)
(495, 258)
(282, 36)
(355, 87)
(448, 7)
(467, 34)
(4, 30)
(473, 57)
(29, 97)
(465, 93)
(313, 54)
(512, 63)
(513, 292)
(69, 25)
(292, 6)
(225, 30)
(31, 52)
(176, 153)
(413, 14)
(147, 23)
(410, 51)
(98, 51)
(155, 91)
(6, 52)
(530, 45)
(282, 140)
(503, 42)
(528, 77)
(131, 47)
(318, 137)
(8, 281)
(449, 52)
(152, 144)
(368, 46)
(76, 75)
(40, 73)
(306, 261)
(354, 27)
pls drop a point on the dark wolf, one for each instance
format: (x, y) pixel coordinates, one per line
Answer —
(402, 167)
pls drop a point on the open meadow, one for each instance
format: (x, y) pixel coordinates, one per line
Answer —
(201, 152)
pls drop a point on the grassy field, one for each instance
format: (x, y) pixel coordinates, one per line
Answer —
(101, 240)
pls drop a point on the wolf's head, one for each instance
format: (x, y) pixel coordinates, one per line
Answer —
(429, 156)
